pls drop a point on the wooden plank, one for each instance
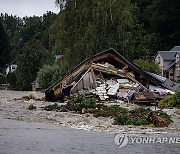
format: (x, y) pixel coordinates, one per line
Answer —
(93, 77)
(80, 79)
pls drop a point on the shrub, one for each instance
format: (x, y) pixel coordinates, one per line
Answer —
(71, 107)
(117, 109)
(173, 101)
(101, 106)
(111, 111)
(53, 107)
(120, 120)
(125, 120)
(48, 75)
(84, 102)
(140, 112)
(165, 103)
(140, 122)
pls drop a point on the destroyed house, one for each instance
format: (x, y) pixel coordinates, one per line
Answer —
(105, 74)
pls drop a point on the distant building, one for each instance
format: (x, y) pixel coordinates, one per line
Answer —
(169, 63)
(11, 67)
(58, 57)
(35, 85)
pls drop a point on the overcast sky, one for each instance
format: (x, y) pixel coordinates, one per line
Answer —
(23, 8)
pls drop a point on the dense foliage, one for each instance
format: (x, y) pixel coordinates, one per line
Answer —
(149, 66)
(34, 56)
(11, 79)
(135, 28)
(49, 74)
(4, 46)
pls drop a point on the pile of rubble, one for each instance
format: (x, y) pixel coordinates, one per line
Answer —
(115, 88)
(122, 87)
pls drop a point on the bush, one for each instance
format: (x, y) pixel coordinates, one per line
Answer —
(140, 112)
(84, 102)
(117, 109)
(53, 107)
(120, 120)
(48, 75)
(111, 111)
(173, 101)
(125, 120)
(138, 116)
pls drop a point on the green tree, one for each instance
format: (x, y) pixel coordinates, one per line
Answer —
(2, 78)
(4, 46)
(164, 20)
(48, 74)
(12, 25)
(32, 29)
(61, 3)
(34, 56)
(11, 79)
(149, 66)
(84, 27)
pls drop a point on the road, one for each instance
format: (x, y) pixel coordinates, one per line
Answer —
(20, 137)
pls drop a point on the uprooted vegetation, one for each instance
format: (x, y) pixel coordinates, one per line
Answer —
(122, 116)
(173, 101)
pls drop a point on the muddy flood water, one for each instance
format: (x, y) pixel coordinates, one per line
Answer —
(42, 132)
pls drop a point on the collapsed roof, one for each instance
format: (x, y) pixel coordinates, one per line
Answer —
(106, 64)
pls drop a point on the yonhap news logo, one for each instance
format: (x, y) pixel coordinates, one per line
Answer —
(121, 140)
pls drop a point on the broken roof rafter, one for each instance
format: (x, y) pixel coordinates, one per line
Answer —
(81, 78)
(116, 72)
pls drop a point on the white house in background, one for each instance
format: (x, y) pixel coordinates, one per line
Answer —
(11, 67)
(169, 63)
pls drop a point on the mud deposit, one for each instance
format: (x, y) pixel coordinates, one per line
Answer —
(40, 131)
